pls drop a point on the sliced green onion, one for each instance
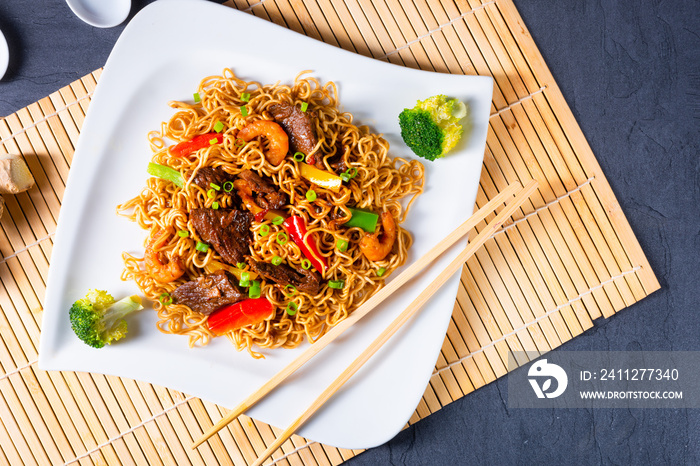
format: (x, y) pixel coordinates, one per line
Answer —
(201, 247)
(381, 271)
(218, 126)
(245, 279)
(336, 284)
(351, 172)
(299, 156)
(305, 264)
(239, 142)
(211, 194)
(311, 195)
(240, 265)
(244, 111)
(304, 106)
(345, 177)
(279, 220)
(282, 238)
(215, 205)
(228, 186)
(166, 173)
(290, 290)
(165, 299)
(362, 219)
(197, 99)
(245, 97)
(264, 230)
(215, 186)
(213, 141)
(254, 290)
(183, 233)
(276, 260)
(342, 245)
(292, 308)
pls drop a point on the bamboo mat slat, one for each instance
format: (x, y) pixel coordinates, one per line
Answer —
(566, 259)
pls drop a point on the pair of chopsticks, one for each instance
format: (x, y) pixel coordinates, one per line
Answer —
(512, 204)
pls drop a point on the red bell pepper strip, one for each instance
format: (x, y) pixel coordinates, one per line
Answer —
(240, 314)
(296, 229)
(198, 142)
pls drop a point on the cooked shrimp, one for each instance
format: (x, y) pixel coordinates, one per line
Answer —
(278, 141)
(374, 246)
(163, 273)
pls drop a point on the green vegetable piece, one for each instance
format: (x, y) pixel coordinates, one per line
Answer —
(431, 129)
(254, 291)
(98, 320)
(311, 195)
(183, 233)
(218, 126)
(292, 308)
(381, 271)
(362, 219)
(276, 260)
(341, 244)
(197, 99)
(245, 97)
(304, 106)
(244, 111)
(336, 284)
(166, 173)
(201, 247)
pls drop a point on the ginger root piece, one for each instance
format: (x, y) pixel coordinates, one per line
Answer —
(15, 176)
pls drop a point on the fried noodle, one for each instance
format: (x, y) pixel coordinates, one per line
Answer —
(382, 183)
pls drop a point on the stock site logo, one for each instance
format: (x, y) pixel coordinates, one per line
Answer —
(546, 372)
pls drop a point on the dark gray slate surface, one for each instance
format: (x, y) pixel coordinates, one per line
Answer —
(631, 73)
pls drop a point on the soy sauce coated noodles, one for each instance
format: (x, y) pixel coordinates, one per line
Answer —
(245, 166)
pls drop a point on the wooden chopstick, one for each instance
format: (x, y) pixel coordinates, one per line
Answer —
(492, 227)
(410, 272)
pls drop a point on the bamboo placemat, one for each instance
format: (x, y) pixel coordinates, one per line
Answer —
(567, 259)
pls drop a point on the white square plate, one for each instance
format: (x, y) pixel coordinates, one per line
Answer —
(162, 55)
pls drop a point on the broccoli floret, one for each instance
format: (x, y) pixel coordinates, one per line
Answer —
(98, 319)
(431, 129)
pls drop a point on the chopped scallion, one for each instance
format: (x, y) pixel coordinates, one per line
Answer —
(290, 290)
(254, 290)
(304, 106)
(345, 177)
(244, 111)
(215, 186)
(279, 220)
(183, 233)
(228, 186)
(215, 205)
(342, 245)
(305, 264)
(245, 279)
(211, 194)
(239, 142)
(264, 230)
(201, 247)
(197, 99)
(282, 238)
(276, 260)
(165, 299)
(351, 172)
(218, 127)
(381, 271)
(336, 284)
(292, 308)
(240, 265)
(245, 97)
(311, 195)
(299, 156)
